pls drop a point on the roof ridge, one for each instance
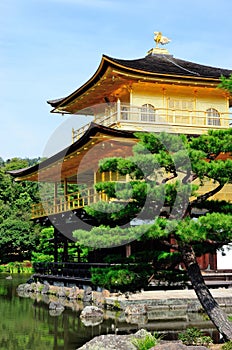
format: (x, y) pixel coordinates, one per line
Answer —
(179, 66)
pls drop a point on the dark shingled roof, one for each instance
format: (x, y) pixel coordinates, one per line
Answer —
(151, 65)
(90, 132)
(167, 64)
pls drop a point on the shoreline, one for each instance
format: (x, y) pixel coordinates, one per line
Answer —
(165, 299)
(164, 311)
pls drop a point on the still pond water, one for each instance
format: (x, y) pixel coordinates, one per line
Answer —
(27, 324)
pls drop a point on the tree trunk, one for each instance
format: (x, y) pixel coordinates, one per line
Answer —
(211, 307)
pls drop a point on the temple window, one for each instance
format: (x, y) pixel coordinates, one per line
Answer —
(213, 116)
(148, 113)
(184, 104)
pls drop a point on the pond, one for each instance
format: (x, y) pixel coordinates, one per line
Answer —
(27, 324)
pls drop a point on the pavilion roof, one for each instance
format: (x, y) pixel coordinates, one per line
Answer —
(112, 73)
(97, 142)
(78, 161)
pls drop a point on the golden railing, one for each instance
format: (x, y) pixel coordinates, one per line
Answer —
(170, 117)
(75, 200)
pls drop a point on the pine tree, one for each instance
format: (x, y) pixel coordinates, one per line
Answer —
(170, 171)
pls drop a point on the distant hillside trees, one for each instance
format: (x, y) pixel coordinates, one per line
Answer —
(18, 234)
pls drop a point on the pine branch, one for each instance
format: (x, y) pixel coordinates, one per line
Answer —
(164, 181)
(205, 196)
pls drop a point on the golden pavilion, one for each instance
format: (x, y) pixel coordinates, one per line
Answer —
(155, 93)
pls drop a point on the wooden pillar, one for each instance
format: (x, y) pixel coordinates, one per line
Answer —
(118, 109)
(66, 204)
(65, 251)
(94, 183)
(79, 250)
(128, 250)
(65, 187)
(55, 197)
(131, 97)
(213, 261)
(55, 245)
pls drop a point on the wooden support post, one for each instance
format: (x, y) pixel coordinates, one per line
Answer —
(55, 245)
(65, 251)
(94, 183)
(79, 250)
(55, 197)
(65, 187)
(66, 204)
(118, 109)
(128, 250)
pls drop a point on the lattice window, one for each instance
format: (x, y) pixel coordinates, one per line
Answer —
(148, 113)
(186, 105)
(213, 117)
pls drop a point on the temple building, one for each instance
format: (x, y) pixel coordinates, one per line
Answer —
(155, 93)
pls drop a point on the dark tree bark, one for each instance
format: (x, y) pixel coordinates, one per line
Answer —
(211, 307)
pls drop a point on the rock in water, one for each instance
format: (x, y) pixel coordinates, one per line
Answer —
(91, 312)
(87, 298)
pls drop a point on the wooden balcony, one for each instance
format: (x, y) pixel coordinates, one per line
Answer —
(62, 204)
(128, 117)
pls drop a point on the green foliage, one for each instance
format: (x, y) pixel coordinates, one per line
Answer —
(161, 191)
(17, 267)
(99, 237)
(44, 247)
(41, 257)
(219, 206)
(226, 83)
(216, 227)
(17, 239)
(227, 345)
(121, 277)
(146, 342)
(18, 234)
(166, 272)
(194, 336)
(212, 143)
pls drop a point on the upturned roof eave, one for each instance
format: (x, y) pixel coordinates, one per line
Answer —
(95, 77)
(106, 62)
(24, 173)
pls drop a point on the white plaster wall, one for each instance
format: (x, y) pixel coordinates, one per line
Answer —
(225, 261)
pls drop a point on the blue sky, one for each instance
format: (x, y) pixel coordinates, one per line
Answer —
(48, 48)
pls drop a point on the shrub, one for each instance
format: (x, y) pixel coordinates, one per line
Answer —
(227, 345)
(146, 342)
(41, 257)
(128, 277)
(194, 336)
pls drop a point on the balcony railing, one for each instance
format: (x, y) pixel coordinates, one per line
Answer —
(61, 204)
(141, 119)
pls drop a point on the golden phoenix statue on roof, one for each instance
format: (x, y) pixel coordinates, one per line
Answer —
(160, 39)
